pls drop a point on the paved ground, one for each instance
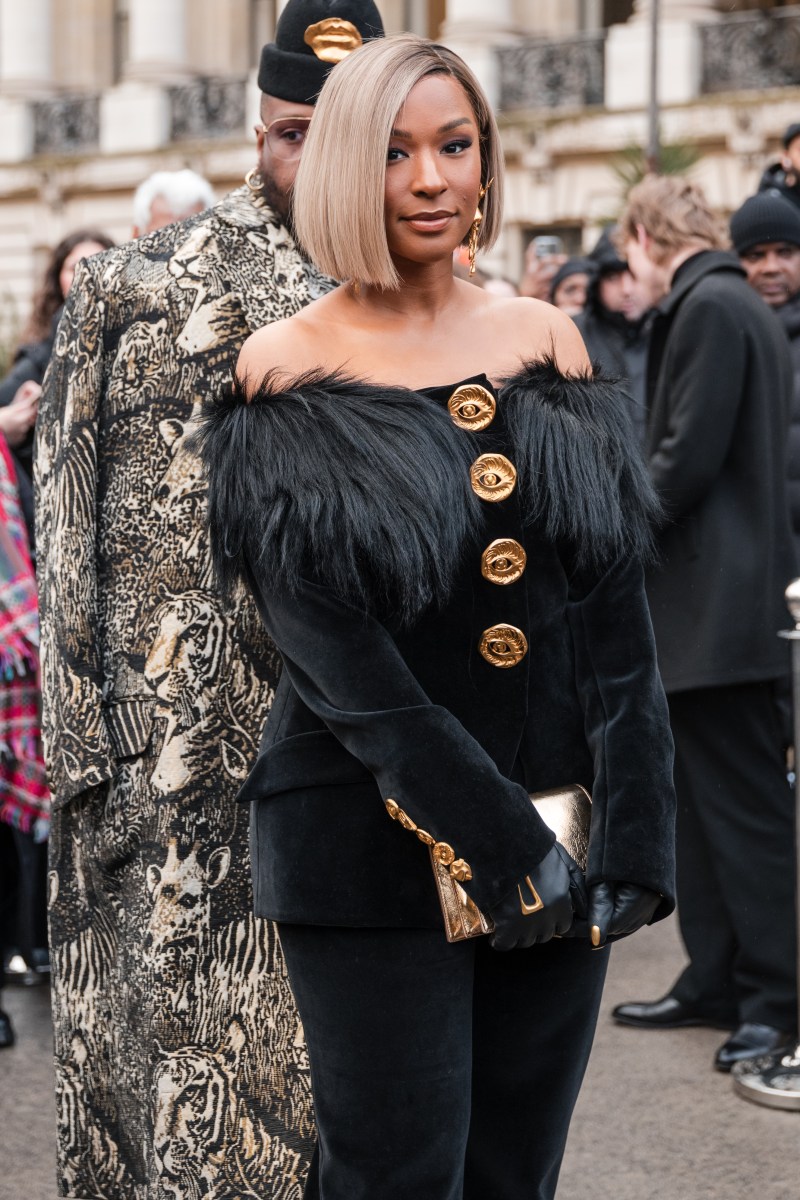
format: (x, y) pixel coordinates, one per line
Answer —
(654, 1121)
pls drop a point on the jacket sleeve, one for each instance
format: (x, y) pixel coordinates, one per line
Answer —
(346, 667)
(707, 377)
(78, 748)
(627, 730)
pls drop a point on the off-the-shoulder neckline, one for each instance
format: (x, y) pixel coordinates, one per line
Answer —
(543, 370)
(481, 378)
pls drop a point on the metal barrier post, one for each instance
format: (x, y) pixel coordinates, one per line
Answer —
(774, 1079)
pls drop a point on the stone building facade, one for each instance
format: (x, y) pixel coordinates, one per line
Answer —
(97, 94)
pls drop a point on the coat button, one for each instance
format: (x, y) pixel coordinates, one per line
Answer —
(472, 407)
(503, 561)
(492, 477)
(503, 645)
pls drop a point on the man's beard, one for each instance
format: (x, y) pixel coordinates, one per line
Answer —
(280, 202)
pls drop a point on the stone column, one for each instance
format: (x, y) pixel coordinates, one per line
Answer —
(26, 72)
(26, 51)
(157, 41)
(679, 53)
(136, 115)
(473, 28)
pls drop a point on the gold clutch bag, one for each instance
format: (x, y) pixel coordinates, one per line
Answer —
(567, 811)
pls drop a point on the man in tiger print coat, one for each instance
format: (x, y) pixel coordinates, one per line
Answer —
(180, 1064)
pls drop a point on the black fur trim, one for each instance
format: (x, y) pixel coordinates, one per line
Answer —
(582, 478)
(363, 486)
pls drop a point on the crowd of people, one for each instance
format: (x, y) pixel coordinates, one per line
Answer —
(308, 636)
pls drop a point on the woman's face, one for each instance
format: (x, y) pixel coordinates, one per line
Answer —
(67, 273)
(433, 172)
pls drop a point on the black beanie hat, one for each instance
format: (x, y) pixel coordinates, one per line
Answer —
(791, 133)
(294, 69)
(765, 217)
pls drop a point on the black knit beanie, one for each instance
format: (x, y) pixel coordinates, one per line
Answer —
(766, 217)
(791, 133)
(310, 38)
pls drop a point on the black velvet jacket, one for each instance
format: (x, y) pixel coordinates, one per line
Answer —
(420, 663)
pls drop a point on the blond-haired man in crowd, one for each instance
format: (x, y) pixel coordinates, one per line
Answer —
(720, 396)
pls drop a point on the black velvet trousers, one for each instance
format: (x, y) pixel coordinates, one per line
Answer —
(441, 1072)
(735, 856)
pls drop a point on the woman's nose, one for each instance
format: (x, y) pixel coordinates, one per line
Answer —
(429, 178)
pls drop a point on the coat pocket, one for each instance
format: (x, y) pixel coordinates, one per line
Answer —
(130, 725)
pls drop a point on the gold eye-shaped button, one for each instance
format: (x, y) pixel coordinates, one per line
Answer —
(472, 407)
(503, 561)
(503, 645)
(493, 477)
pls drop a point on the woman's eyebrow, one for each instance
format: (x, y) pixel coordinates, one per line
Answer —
(403, 133)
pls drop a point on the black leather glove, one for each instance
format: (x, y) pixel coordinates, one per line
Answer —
(619, 909)
(558, 884)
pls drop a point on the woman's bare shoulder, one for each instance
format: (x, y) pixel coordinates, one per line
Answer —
(282, 349)
(541, 330)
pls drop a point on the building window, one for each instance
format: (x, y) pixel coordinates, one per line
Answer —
(616, 12)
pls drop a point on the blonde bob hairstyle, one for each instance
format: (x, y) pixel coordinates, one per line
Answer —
(338, 201)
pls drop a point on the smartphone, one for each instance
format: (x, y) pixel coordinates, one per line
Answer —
(546, 245)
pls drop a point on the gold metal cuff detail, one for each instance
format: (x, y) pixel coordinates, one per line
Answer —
(472, 407)
(493, 477)
(332, 39)
(503, 645)
(503, 561)
(441, 851)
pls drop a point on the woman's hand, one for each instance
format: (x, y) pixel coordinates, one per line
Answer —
(18, 417)
(542, 906)
(619, 909)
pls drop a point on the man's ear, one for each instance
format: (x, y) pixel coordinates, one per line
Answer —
(643, 238)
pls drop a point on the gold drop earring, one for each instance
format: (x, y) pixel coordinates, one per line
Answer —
(475, 227)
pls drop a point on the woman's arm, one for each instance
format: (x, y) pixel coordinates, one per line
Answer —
(346, 667)
(627, 729)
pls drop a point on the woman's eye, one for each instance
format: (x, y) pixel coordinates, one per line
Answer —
(457, 146)
(395, 154)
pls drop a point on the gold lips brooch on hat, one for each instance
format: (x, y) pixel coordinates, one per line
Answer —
(332, 39)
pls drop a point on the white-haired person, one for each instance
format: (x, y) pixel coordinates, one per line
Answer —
(169, 196)
(442, 521)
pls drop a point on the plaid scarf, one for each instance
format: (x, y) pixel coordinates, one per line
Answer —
(24, 796)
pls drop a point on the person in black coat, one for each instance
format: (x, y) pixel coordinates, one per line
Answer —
(784, 176)
(22, 385)
(765, 233)
(615, 326)
(442, 519)
(720, 381)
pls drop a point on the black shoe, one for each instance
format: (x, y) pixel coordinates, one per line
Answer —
(667, 1013)
(6, 1030)
(750, 1041)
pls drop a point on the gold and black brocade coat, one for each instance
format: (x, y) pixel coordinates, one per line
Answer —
(453, 578)
(180, 1066)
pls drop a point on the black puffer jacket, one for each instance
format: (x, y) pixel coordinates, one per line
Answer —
(789, 314)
